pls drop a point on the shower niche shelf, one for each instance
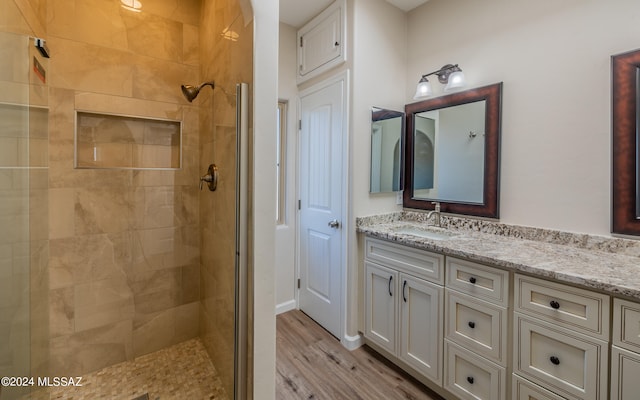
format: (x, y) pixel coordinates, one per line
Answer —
(127, 142)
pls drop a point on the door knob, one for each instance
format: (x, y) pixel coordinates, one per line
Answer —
(334, 224)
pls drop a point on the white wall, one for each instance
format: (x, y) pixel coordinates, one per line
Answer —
(379, 70)
(554, 60)
(378, 79)
(265, 96)
(286, 234)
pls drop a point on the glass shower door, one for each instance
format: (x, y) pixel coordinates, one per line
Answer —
(24, 218)
(14, 213)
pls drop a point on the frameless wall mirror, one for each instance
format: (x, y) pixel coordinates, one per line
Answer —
(625, 93)
(453, 152)
(387, 131)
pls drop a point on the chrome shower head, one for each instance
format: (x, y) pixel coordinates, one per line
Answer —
(191, 92)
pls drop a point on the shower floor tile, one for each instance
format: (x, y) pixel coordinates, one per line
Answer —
(183, 371)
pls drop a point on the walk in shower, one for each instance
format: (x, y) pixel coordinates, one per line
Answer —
(113, 262)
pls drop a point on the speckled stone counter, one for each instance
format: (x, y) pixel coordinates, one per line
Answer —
(611, 265)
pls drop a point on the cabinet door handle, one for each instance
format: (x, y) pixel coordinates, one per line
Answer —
(554, 360)
(390, 279)
(404, 286)
(554, 304)
(472, 324)
(470, 379)
(472, 280)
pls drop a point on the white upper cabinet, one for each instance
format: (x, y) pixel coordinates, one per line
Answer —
(322, 42)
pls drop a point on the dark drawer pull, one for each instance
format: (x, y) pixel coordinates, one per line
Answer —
(404, 287)
(472, 324)
(390, 279)
(470, 379)
(472, 280)
(554, 360)
(554, 304)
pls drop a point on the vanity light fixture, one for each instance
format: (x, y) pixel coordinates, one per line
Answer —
(450, 74)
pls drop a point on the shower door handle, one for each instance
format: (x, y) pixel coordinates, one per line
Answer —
(211, 178)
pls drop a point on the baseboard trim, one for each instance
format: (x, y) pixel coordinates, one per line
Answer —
(352, 342)
(286, 306)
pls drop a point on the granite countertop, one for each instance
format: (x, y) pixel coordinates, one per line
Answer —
(610, 265)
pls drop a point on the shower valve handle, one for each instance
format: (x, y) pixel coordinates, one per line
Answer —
(211, 178)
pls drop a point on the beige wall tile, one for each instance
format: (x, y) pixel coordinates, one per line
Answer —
(61, 312)
(99, 303)
(87, 351)
(157, 333)
(11, 20)
(61, 213)
(191, 45)
(86, 67)
(153, 36)
(102, 210)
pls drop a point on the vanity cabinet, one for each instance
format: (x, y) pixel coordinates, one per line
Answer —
(403, 305)
(477, 299)
(625, 351)
(321, 42)
(560, 338)
(473, 331)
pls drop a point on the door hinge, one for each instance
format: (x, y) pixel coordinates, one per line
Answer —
(298, 283)
(299, 124)
(299, 204)
(301, 38)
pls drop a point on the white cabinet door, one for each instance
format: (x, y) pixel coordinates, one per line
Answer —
(625, 373)
(321, 42)
(380, 306)
(421, 326)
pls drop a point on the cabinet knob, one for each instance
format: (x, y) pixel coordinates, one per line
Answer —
(470, 379)
(554, 304)
(336, 44)
(472, 280)
(554, 360)
(472, 324)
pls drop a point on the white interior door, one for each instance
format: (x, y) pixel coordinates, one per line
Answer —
(321, 202)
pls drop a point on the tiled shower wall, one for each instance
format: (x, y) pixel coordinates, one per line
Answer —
(226, 54)
(124, 244)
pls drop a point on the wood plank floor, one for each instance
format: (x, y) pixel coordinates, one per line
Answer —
(312, 364)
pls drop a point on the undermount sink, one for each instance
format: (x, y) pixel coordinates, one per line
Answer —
(424, 233)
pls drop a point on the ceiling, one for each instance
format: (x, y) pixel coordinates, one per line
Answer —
(297, 12)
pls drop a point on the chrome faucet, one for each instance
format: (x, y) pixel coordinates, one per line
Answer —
(435, 213)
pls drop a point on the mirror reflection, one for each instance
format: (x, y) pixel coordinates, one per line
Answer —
(449, 154)
(452, 153)
(387, 131)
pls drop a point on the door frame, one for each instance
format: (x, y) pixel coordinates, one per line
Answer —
(346, 225)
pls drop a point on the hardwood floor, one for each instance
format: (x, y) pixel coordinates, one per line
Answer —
(312, 364)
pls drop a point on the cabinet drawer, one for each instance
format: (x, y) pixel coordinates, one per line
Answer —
(525, 390)
(478, 280)
(626, 324)
(477, 325)
(625, 371)
(420, 263)
(470, 376)
(563, 305)
(569, 363)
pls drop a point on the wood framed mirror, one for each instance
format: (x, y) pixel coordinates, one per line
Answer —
(452, 152)
(625, 187)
